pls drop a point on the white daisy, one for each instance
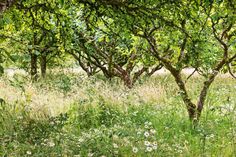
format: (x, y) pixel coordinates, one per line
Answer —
(135, 149)
(28, 152)
(115, 145)
(146, 143)
(146, 134)
(149, 149)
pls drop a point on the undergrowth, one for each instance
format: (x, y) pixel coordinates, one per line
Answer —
(76, 116)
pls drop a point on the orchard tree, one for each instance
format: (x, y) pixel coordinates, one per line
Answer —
(179, 34)
(114, 59)
(126, 39)
(39, 28)
(206, 38)
(101, 45)
(4, 4)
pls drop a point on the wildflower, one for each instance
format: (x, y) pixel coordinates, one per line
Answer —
(146, 134)
(212, 136)
(154, 143)
(154, 147)
(139, 133)
(76, 155)
(135, 113)
(20, 117)
(126, 140)
(149, 149)
(28, 152)
(90, 154)
(146, 126)
(81, 140)
(135, 149)
(115, 136)
(152, 131)
(115, 145)
(146, 143)
(78, 145)
(51, 144)
(148, 123)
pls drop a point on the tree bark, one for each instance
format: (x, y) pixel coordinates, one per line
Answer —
(43, 64)
(206, 86)
(5, 4)
(191, 107)
(33, 71)
(127, 80)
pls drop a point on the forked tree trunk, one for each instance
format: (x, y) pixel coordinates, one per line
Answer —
(128, 82)
(43, 65)
(204, 91)
(195, 110)
(33, 70)
(191, 107)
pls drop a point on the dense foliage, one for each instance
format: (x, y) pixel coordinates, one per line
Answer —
(123, 39)
(77, 78)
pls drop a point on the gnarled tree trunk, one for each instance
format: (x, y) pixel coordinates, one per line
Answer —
(4, 4)
(33, 70)
(43, 64)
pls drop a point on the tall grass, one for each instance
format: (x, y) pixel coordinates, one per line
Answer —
(72, 115)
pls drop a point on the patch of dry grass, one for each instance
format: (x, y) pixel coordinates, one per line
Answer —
(51, 101)
(104, 117)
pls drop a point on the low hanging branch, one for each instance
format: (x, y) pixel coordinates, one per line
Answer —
(153, 70)
(195, 70)
(225, 60)
(5, 4)
(114, 64)
(191, 107)
(230, 71)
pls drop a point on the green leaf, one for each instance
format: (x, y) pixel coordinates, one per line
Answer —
(1, 70)
(30, 47)
(62, 2)
(36, 52)
(1, 59)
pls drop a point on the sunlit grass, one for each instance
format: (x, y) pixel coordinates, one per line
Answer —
(72, 115)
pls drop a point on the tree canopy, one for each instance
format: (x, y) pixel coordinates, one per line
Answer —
(123, 38)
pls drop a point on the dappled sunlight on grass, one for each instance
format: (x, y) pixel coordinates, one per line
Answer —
(79, 116)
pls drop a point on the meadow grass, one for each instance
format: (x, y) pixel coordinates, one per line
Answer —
(72, 115)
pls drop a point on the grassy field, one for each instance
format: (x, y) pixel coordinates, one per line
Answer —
(71, 115)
